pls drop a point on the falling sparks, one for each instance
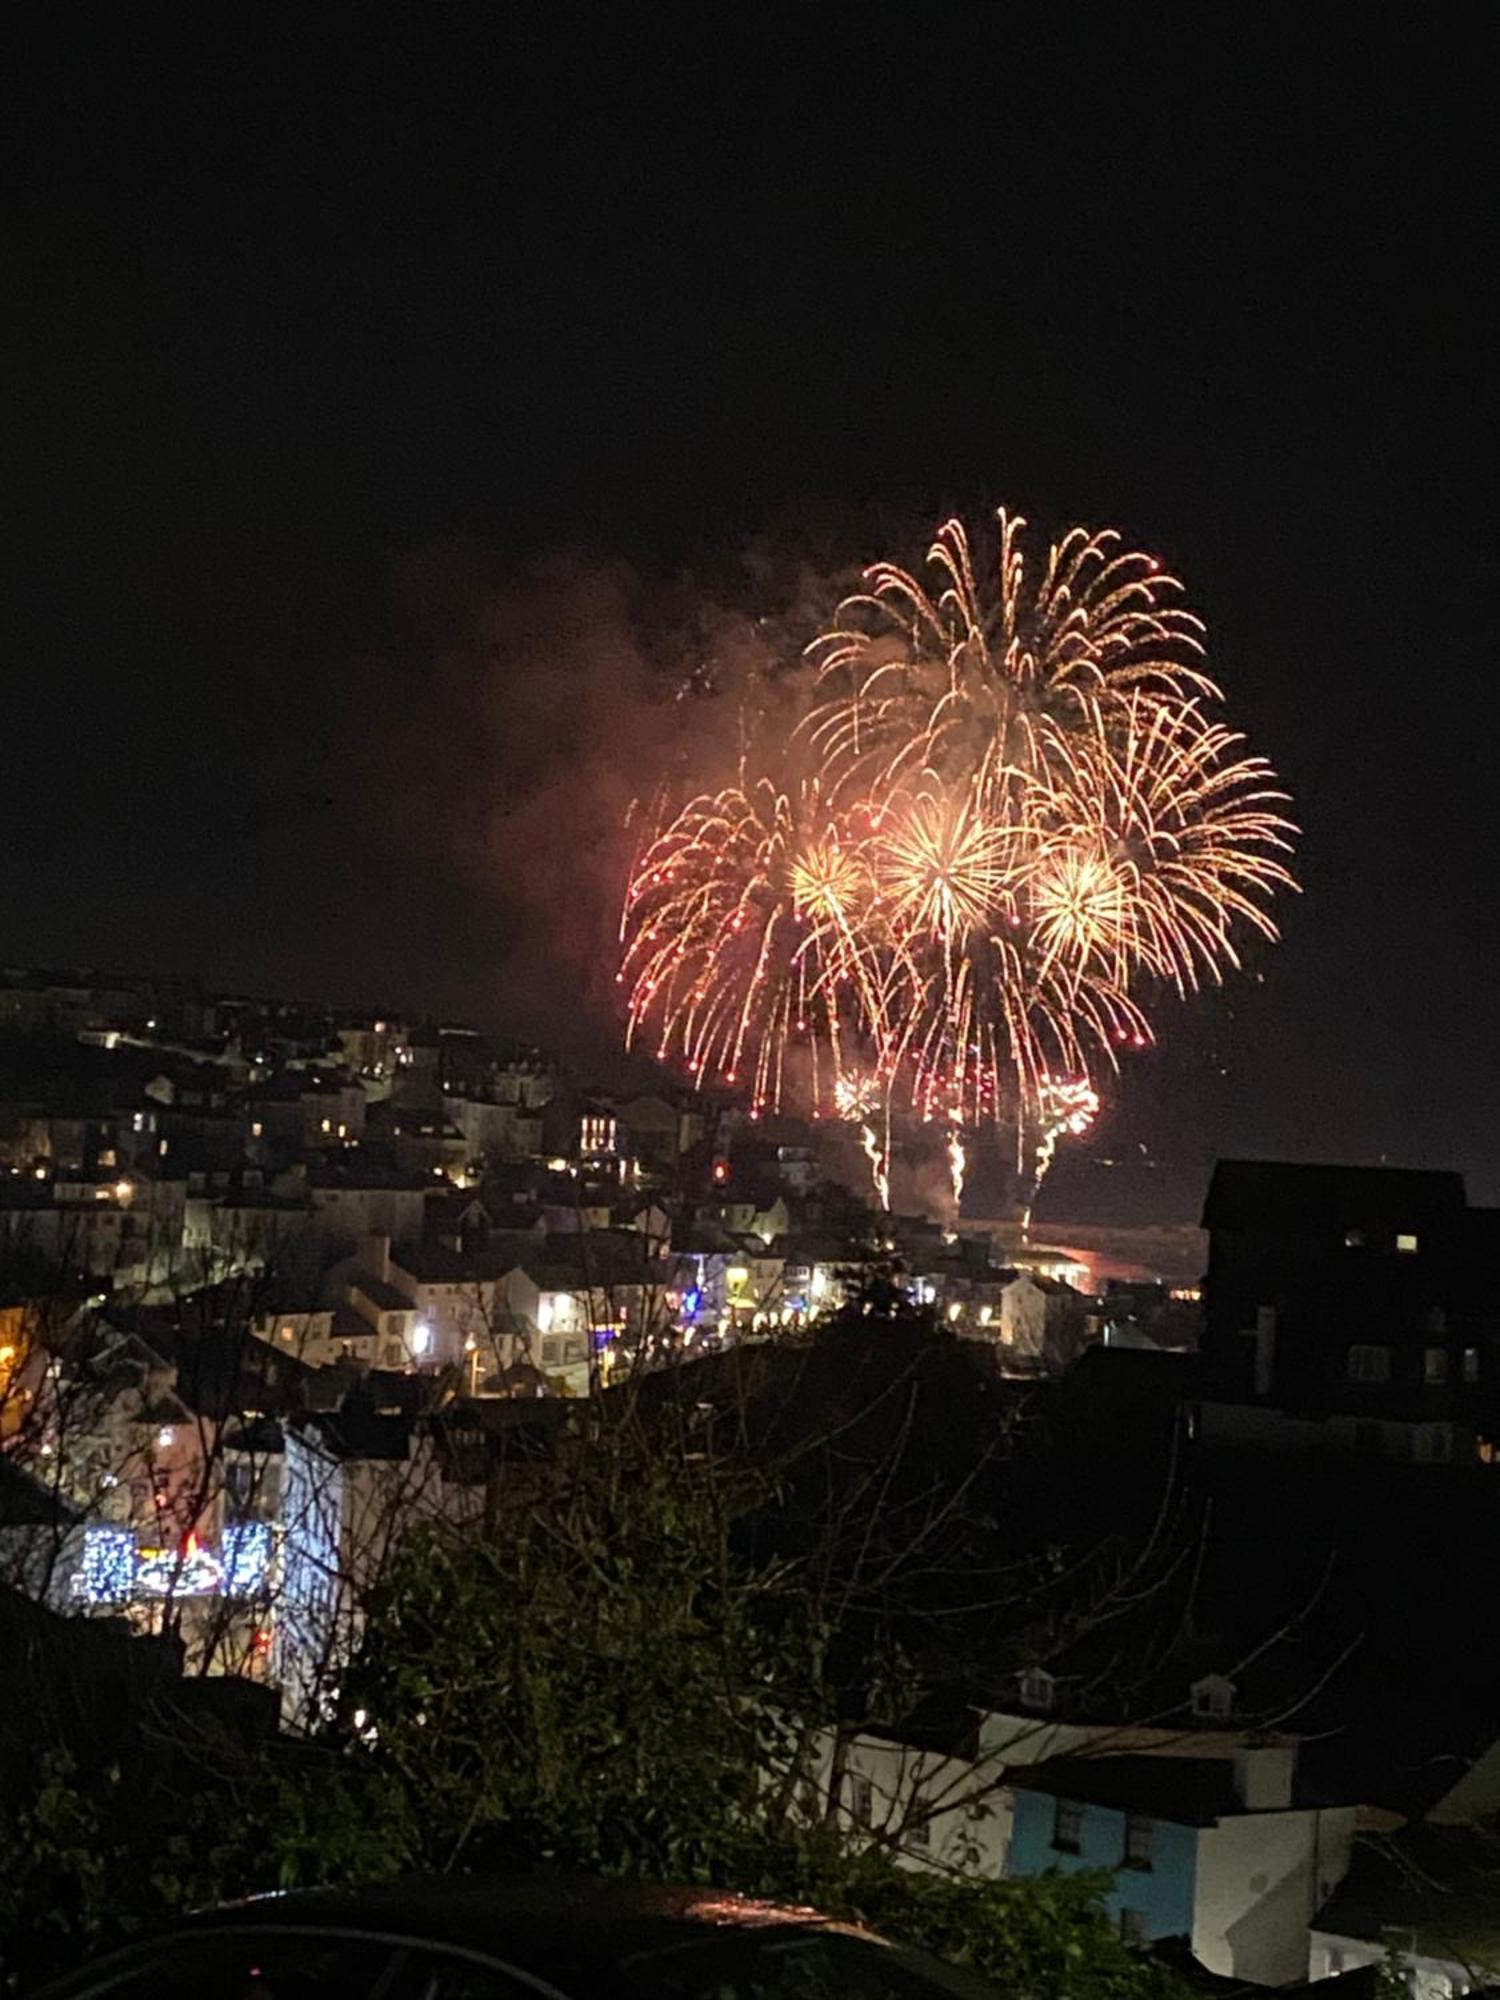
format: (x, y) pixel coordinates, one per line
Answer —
(1008, 817)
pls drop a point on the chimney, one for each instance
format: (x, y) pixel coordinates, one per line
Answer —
(1264, 1773)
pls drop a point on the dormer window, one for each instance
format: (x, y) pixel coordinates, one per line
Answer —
(1212, 1698)
(1038, 1689)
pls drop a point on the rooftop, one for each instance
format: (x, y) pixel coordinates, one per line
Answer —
(1435, 1888)
(1187, 1791)
(1288, 1194)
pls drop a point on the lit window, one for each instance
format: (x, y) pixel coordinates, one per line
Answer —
(288, 1333)
(421, 1338)
(1138, 1832)
(1435, 1364)
(256, 1128)
(327, 1125)
(1471, 1364)
(1369, 1364)
(165, 1437)
(1406, 1244)
(1354, 1239)
(1067, 1826)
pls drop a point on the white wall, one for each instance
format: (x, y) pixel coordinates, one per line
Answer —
(1261, 1878)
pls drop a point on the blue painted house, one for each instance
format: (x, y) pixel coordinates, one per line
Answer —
(1218, 1850)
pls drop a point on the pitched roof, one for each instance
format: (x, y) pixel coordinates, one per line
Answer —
(1187, 1791)
(1432, 1886)
(1290, 1194)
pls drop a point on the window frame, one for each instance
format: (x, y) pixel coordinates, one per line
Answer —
(1069, 1813)
(1140, 1841)
(1378, 1370)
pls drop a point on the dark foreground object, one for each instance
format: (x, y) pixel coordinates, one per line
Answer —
(475, 1938)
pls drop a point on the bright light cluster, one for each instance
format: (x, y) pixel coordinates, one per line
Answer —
(113, 1569)
(1008, 816)
(106, 1568)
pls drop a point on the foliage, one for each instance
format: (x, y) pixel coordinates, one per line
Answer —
(610, 1676)
(59, 1869)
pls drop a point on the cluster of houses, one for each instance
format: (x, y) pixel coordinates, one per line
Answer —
(333, 1274)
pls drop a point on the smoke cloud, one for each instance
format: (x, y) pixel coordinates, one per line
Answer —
(528, 731)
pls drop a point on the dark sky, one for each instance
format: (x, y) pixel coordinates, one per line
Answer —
(321, 337)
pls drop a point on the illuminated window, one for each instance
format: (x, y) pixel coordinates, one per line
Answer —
(1354, 1239)
(1434, 1364)
(1067, 1826)
(256, 1128)
(327, 1125)
(1407, 1244)
(1471, 1364)
(598, 1133)
(1369, 1364)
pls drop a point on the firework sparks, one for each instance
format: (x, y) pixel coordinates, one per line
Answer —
(1066, 1107)
(856, 1097)
(880, 1168)
(1016, 817)
(958, 1167)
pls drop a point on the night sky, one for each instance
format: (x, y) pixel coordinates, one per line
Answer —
(380, 398)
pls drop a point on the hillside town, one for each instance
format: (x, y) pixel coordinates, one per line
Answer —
(281, 1285)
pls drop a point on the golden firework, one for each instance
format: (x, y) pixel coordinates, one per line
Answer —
(1022, 815)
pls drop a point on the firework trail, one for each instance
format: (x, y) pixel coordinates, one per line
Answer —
(880, 1166)
(1065, 1107)
(958, 1167)
(1009, 815)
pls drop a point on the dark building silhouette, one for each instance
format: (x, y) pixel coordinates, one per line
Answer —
(1359, 1303)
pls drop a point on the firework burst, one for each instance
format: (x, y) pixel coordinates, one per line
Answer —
(1019, 816)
